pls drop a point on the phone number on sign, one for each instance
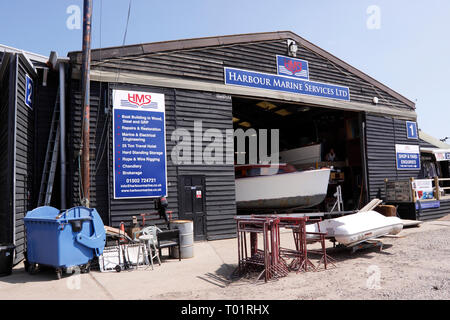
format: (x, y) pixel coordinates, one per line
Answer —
(141, 180)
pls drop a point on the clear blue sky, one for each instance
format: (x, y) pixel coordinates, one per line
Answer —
(410, 52)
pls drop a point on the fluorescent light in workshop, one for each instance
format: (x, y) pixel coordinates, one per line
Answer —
(283, 112)
(266, 105)
(245, 124)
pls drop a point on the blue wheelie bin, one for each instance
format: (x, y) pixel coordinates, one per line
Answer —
(63, 239)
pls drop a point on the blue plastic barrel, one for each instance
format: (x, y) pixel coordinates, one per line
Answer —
(62, 239)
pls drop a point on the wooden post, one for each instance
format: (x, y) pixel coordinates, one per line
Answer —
(385, 187)
(437, 193)
(413, 191)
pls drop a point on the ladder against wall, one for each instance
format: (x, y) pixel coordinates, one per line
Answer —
(51, 158)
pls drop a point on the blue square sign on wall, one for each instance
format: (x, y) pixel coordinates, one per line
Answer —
(411, 130)
(28, 91)
(407, 156)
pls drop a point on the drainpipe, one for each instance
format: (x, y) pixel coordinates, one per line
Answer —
(62, 130)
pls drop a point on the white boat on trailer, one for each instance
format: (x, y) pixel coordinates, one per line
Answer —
(358, 227)
(256, 188)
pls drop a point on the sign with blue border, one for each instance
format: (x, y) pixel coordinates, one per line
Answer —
(139, 145)
(28, 91)
(428, 204)
(407, 157)
(441, 155)
(411, 130)
(292, 67)
(245, 78)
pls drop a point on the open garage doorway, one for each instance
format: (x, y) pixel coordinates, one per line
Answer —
(310, 138)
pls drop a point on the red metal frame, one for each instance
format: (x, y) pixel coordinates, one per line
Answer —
(269, 258)
(272, 259)
(325, 258)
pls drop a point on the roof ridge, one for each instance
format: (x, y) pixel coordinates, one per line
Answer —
(184, 44)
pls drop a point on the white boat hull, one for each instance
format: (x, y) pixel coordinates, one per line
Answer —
(304, 155)
(301, 189)
(358, 227)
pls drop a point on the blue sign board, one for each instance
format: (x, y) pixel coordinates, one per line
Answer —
(447, 155)
(292, 67)
(28, 91)
(411, 130)
(139, 160)
(260, 80)
(427, 204)
(408, 157)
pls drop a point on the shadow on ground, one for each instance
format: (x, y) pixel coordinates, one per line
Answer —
(343, 253)
(43, 274)
(222, 277)
(19, 275)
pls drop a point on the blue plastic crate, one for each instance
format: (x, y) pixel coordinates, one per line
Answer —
(64, 239)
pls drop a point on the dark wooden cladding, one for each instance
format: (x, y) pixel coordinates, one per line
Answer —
(382, 134)
(6, 128)
(45, 99)
(206, 64)
(24, 156)
(214, 112)
(99, 180)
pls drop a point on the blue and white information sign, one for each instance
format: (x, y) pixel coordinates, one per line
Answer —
(140, 169)
(411, 130)
(275, 82)
(407, 156)
(28, 91)
(292, 67)
(428, 204)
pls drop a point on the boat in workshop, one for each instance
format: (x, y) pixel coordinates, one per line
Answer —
(279, 186)
(305, 155)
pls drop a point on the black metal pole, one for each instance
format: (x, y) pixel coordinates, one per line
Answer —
(85, 93)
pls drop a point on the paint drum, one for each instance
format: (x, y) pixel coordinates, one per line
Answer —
(186, 228)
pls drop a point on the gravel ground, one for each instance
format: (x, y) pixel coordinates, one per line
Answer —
(414, 265)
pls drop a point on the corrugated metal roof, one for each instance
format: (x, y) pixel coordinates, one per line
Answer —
(30, 55)
(432, 140)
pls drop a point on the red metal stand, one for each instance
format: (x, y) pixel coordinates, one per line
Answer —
(320, 237)
(300, 261)
(271, 261)
(268, 259)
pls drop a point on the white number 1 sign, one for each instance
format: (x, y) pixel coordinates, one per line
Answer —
(411, 130)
